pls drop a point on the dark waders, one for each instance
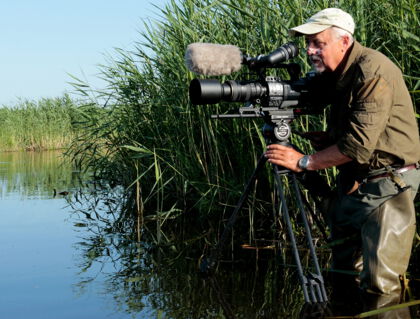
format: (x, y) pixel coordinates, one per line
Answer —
(375, 227)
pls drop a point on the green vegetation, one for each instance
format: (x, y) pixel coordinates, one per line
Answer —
(49, 123)
(173, 157)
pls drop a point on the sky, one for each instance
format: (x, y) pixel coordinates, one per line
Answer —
(44, 41)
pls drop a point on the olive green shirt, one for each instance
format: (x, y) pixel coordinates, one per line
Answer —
(372, 118)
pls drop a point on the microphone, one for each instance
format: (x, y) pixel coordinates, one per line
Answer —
(223, 59)
(213, 59)
(283, 53)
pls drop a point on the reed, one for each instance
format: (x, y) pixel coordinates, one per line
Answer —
(49, 123)
(152, 140)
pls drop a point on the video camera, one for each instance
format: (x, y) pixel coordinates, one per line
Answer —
(270, 97)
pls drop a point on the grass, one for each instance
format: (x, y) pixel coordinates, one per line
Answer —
(170, 153)
(50, 123)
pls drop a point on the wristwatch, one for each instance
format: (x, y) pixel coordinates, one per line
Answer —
(304, 162)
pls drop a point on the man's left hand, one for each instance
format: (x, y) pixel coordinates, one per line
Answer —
(285, 156)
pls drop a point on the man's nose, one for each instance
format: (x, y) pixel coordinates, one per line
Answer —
(310, 50)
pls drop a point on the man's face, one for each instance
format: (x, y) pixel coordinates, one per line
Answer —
(325, 50)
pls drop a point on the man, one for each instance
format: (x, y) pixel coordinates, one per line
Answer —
(373, 139)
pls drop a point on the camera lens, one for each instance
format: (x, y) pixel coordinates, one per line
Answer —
(210, 91)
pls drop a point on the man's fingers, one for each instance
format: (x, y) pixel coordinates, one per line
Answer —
(277, 147)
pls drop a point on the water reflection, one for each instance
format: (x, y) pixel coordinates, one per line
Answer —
(118, 256)
(36, 242)
(35, 174)
(162, 280)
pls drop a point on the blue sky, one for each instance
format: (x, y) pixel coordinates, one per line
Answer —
(44, 40)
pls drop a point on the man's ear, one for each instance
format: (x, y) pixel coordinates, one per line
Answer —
(346, 41)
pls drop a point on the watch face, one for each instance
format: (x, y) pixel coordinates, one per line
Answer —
(303, 162)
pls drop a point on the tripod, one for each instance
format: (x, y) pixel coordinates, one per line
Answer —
(277, 130)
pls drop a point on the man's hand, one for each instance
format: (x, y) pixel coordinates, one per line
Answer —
(285, 156)
(288, 157)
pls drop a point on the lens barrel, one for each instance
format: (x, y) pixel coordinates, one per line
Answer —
(210, 91)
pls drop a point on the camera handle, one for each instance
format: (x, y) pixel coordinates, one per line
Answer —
(312, 283)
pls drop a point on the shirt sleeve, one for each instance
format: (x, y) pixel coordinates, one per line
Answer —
(367, 119)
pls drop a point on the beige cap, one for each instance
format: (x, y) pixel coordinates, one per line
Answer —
(324, 19)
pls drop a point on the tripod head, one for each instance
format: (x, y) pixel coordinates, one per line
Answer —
(276, 128)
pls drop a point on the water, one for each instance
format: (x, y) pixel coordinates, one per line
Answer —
(40, 275)
(69, 255)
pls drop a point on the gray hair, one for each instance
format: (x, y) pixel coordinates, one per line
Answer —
(339, 33)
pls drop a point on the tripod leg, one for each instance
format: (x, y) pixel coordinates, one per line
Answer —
(312, 213)
(318, 279)
(283, 209)
(208, 264)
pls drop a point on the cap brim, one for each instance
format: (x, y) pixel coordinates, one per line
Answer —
(307, 29)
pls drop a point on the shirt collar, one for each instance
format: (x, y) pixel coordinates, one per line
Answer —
(346, 75)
